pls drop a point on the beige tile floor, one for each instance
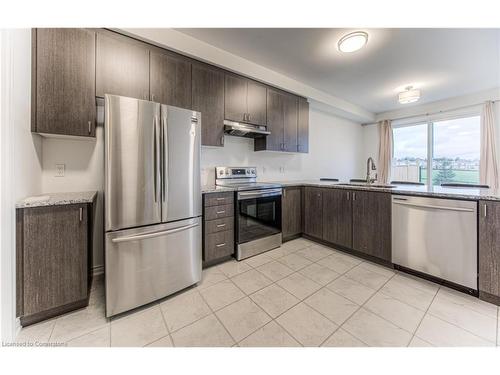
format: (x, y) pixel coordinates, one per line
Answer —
(302, 294)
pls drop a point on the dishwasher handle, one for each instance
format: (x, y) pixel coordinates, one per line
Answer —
(446, 208)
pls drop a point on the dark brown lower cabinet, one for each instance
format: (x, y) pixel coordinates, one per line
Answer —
(371, 223)
(218, 227)
(337, 217)
(291, 212)
(52, 260)
(489, 251)
(313, 212)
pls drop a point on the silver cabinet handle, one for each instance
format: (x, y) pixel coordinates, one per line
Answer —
(348, 196)
(221, 225)
(81, 213)
(153, 234)
(485, 210)
(220, 245)
(221, 199)
(90, 127)
(435, 207)
(222, 140)
(220, 212)
(353, 196)
(153, 97)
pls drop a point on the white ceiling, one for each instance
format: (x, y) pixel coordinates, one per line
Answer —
(443, 63)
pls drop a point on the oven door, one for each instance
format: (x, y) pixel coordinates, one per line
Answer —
(258, 214)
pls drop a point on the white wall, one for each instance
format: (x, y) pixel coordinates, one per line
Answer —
(21, 154)
(84, 171)
(334, 151)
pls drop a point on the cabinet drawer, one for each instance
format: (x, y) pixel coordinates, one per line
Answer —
(219, 245)
(217, 199)
(219, 225)
(218, 212)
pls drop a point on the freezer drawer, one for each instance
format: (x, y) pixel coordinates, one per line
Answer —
(145, 264)
(437, 237)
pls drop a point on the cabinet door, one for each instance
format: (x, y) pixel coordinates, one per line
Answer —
(54, 257)
(235, 98)
(208, 98)
(337, 217)
(303, 126)
(313, 211)
(170, 79)
(291, 211)
(371, 223)
(64, 81)
(275, 122)
(256, 103)
(290, 123)
(489, 248)
(122, 66)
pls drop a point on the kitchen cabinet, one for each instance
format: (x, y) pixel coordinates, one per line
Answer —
(313, 212)
(282, 122)
(337, 217)
(63, 82)
(122, 66)
(245, 100)
(52, 260)
(489, 251)
(170, 78)
(303, 126)
(371, 223)
(291, 212)
(218, 227)
(208, 98)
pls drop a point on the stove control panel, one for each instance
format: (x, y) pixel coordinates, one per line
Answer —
(235, 172)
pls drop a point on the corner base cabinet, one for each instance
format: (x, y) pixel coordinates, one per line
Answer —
(53, 255)
(291, 212)
(489, 251)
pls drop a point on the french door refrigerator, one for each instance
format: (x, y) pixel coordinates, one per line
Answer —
(152, 201)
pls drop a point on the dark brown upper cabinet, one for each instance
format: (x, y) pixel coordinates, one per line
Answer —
(170, 78)
(282, 122)
(291, 212)
(371, 223)
(245, 100)
(122, 66)
(303, 126)
(208, 98)
(337, 217)
(63, 82)
(313, 212)
(489, 251)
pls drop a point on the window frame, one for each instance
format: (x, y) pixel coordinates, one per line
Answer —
(429, 121)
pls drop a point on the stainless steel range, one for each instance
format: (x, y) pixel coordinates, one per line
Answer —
(257, 211)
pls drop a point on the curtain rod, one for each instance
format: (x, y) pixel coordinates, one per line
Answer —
(431, 113)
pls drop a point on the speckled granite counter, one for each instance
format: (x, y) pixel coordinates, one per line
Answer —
(206, 189)
(434, 191)
(56, 199)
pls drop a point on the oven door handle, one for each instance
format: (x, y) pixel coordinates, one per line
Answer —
(259, 194)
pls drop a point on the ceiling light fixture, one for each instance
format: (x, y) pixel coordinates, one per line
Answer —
(353, 41)
(410, 95)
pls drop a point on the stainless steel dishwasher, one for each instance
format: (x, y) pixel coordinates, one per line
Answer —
(437, 237)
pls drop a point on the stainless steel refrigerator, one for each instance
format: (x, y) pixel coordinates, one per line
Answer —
(152, 201)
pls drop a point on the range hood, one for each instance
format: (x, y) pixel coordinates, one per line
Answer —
(245, 130)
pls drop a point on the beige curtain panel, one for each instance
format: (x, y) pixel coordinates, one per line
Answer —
(384, 152)
(488, 165)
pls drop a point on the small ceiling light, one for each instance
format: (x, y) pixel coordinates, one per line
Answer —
(410, 95)
(353, 41)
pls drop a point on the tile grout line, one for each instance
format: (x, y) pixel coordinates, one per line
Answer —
(425, 314)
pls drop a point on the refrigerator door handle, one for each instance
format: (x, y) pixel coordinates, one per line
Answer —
(164, 158)
(153, 234)
(155, 158)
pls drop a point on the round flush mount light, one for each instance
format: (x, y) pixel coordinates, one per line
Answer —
(353, 41)
(410, 95)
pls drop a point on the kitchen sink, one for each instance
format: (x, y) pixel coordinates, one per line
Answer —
(380, 186)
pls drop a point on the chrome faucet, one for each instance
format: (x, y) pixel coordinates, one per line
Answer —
(369, 180)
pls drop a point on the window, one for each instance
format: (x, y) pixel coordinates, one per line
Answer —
(450, 147)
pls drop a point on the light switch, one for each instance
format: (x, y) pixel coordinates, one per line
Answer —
(60, 170)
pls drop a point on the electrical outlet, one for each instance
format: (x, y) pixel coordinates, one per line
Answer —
(282, 169)
(60, 170)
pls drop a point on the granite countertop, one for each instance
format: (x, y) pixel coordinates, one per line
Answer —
(418, 190)
(206, 189)
(57, 199)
